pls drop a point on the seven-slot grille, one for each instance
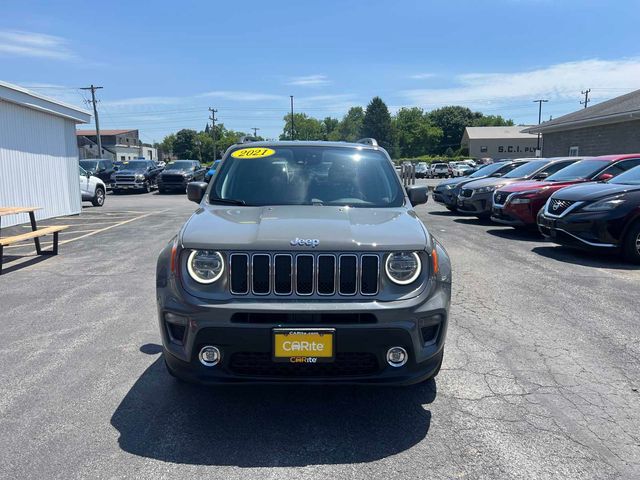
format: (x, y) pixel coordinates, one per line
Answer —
(558, 207)
(466, 192)
(500, 197)
(304, 274)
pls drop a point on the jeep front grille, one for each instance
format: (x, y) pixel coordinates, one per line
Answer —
(304, 274)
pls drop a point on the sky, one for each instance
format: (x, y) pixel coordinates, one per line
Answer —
(163, 64)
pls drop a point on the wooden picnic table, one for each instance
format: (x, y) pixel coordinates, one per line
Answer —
(34, 234)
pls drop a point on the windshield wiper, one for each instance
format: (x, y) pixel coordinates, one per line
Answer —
(227, 201)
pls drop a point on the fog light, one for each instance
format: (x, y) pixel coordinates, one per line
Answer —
(210, 356)
(397, 356)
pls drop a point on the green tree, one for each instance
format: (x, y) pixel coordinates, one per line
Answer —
(377, 123)
(305, 127)
(184, 145)
(166, 146)
(452, 121)
(492, 121)
(350, 128)
(415, 134)
(330, 128)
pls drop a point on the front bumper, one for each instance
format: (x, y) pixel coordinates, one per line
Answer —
(478, 204)
(419, 325)
(445, 197)
(585, 230)
(173, 185)
(137, 185)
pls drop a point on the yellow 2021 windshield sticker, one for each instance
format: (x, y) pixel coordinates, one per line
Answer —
(253, 152)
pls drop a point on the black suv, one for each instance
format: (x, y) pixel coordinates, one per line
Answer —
(177, 174)
(137, 175)
(597, 216)
(101, 168)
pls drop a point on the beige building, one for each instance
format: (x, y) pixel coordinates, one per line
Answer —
(499, 142)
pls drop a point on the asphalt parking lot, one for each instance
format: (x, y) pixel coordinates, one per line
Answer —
(540, 377)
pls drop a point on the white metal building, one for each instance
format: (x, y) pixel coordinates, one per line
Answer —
(38, 154)
(499, 142)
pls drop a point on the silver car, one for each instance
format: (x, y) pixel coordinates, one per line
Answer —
(304, 262)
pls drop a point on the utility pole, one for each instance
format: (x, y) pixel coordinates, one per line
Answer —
(586, 97)
(539, 102)
(292, 129)
(213, 129)
(93, 101)
(255, 131)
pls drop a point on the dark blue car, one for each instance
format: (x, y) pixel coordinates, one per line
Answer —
(212, 170)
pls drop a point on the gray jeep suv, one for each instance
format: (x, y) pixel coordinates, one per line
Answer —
(305, 262)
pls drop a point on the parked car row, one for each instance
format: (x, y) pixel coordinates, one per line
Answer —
(592, 203)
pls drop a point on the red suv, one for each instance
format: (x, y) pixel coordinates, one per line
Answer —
(518, 204)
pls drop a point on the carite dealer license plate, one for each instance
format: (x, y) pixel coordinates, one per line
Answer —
(303, 345)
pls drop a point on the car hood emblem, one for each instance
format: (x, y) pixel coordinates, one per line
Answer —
(305, 242)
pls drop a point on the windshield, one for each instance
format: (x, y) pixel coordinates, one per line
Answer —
(578, 171)
(89, 165)
(303, 175)
(134, 165)
(487, 170)
(527, 169)
(630, 177)
(179, 166)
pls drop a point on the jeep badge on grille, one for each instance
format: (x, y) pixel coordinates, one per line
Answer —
(301, 242)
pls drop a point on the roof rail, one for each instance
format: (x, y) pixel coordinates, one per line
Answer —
(247, 139)
(368, 141)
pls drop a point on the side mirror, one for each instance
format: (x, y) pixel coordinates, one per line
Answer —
(604, 177)
(418, 195)
(497, 174)
(88, 174)
(195, 191)
(541, 176)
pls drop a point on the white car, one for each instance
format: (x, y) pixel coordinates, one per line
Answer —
(461, 169)
(439, 170)
(92, 189)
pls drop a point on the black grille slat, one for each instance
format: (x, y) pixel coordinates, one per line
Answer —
(260, 277)
(239, 273)
(369, 274)
(262, 365)
(326, 274)
(173, 178)
(282, 267)
(304, 274)
(348, 284)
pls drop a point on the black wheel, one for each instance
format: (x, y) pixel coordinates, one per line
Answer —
(451, 208)
(631, 246)
(161, 191)
(98, 197)
(147, 187)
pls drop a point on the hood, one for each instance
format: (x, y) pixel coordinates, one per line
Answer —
(534, 185)
(594, 191)
(176, 172)
(490, 181)
(337, 229)
(131, 171)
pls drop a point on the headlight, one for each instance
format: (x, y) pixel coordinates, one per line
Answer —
(487, 189)
(451, 186)
(205, 266)
(139, 177)
(603, 205)
(403, 267)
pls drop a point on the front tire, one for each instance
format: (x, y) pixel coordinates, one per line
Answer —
(98, 197)
(631, 246)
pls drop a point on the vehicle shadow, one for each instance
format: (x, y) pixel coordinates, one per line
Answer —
(265, 426)
(444, 213)
(474, 221)
(521, 234)
(587, 259)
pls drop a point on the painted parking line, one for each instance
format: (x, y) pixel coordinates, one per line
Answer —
(90, 233)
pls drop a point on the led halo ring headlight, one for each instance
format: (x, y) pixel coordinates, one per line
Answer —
(205, 266)
(399, 268)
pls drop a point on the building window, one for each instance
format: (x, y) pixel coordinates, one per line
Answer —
(574, 151)
(122, 158)
(483, 149)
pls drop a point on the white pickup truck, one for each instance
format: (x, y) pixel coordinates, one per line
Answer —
(92, 189)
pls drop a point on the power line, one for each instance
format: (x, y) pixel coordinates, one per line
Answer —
(586, 97)
(94, 102)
